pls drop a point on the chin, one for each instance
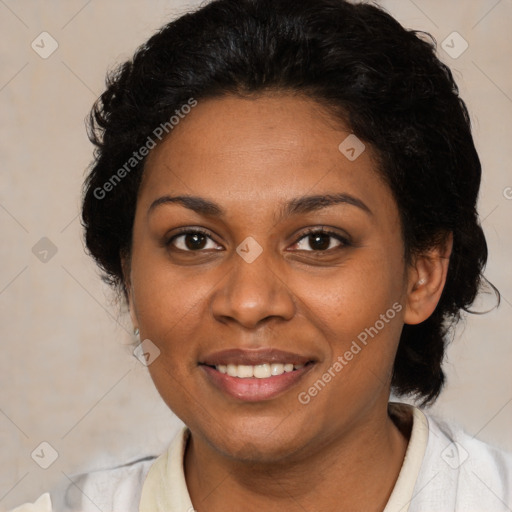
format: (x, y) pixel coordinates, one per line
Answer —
(258, 451)
(255, 440)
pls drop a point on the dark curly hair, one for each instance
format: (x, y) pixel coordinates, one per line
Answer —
(383, 80)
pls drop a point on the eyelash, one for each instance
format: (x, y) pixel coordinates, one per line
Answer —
(313, 231)
(310, 231)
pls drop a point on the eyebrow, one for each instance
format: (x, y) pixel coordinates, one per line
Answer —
(297, 205)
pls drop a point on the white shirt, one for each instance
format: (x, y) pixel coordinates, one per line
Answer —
(444, 470)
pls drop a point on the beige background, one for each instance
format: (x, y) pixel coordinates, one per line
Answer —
(67, 375)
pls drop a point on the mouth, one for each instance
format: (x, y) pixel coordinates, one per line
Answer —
(255, 375)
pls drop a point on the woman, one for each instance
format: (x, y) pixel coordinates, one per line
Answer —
(285, 193)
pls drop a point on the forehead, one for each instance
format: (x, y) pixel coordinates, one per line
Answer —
(260, 151)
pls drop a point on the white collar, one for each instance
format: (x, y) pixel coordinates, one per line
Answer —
(402, 493)
(165, 488)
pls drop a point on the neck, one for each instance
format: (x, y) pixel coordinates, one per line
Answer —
(355, 471)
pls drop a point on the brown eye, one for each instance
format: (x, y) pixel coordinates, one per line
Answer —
(191, 241)
(321, 240)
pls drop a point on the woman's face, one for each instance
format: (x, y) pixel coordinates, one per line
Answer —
(254, 289)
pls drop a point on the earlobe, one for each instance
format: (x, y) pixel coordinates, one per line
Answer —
(426, 280)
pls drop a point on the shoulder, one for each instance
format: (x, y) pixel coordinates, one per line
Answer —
(113, 489)
(461, 472)
(116, 488)
(457, 448)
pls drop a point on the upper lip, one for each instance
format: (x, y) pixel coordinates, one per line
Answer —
(253, 357)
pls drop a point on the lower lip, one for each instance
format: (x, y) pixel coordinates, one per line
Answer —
(252, 389)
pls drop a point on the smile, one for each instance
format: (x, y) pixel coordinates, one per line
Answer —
(259, 371)
(255, 375)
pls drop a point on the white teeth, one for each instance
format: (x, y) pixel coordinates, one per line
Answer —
(277, 369)
(260, 371)
(245, 371)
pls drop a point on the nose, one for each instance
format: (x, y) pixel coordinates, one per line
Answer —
(252, 293)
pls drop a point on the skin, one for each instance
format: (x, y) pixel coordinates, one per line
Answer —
(341, 451)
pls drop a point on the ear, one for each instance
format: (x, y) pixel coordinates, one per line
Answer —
(125, 265)
(426, 280)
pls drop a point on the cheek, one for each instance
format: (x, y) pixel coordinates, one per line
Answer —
(353, 296)
(170, 309)
(358, 310)
(169, 302)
